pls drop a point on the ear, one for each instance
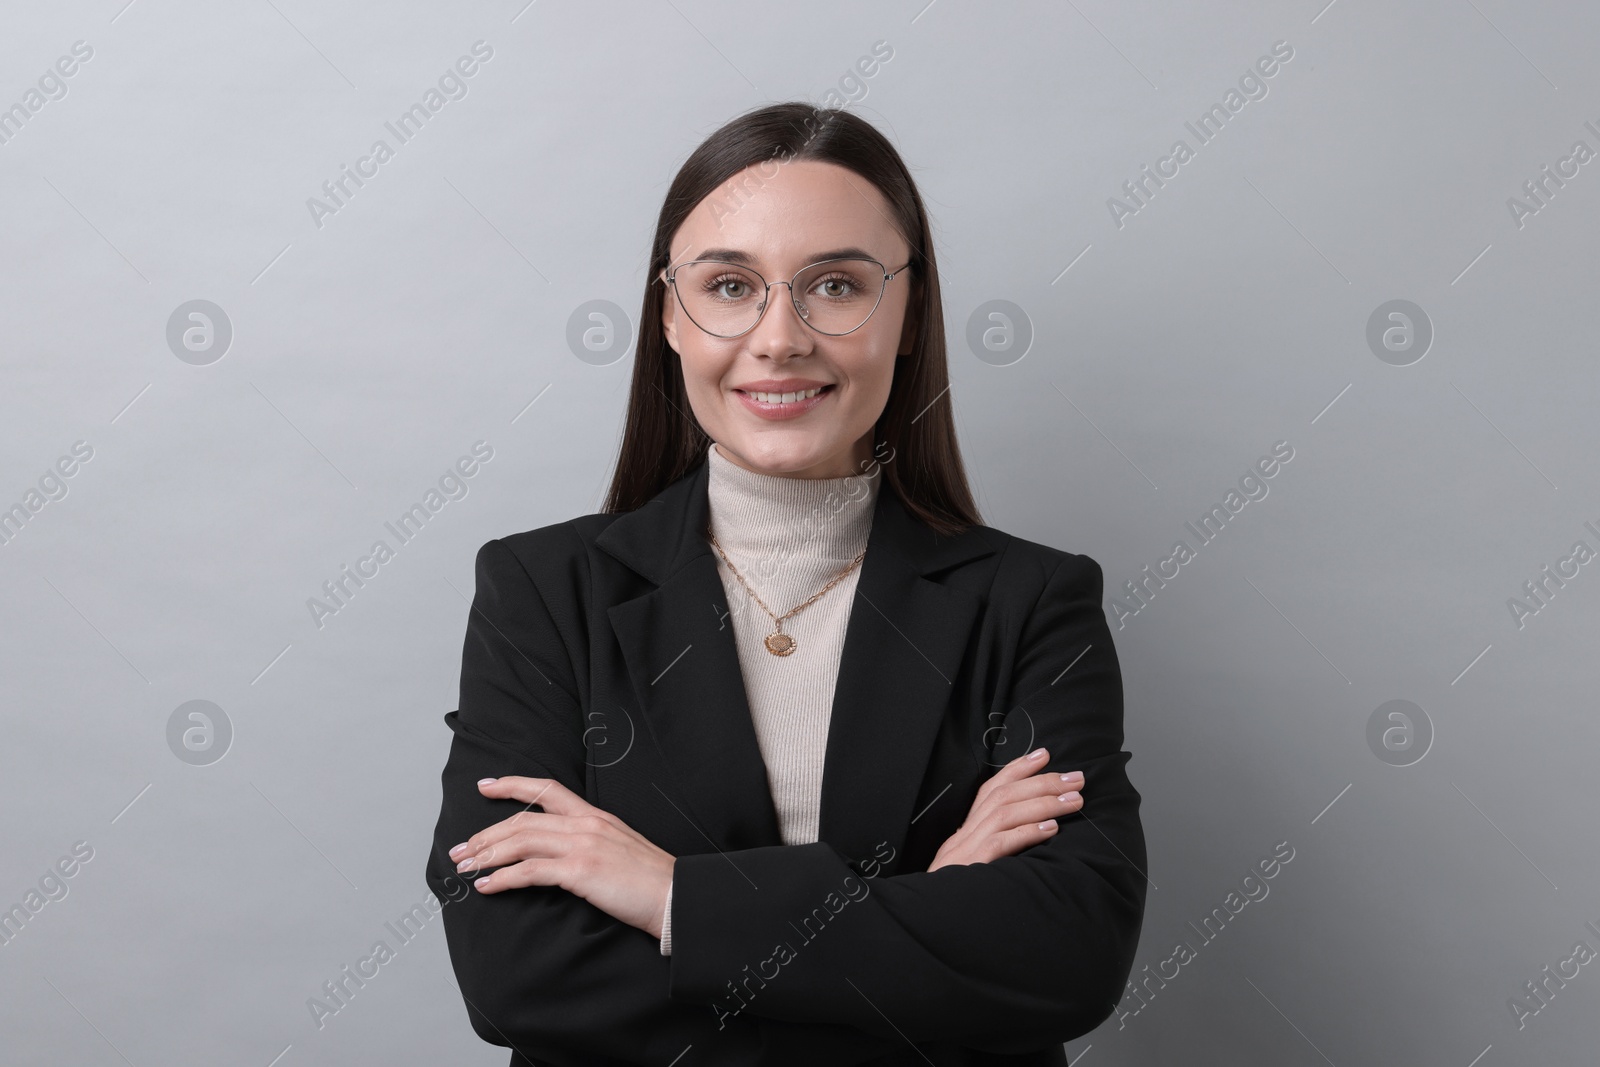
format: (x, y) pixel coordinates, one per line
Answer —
(669, 313)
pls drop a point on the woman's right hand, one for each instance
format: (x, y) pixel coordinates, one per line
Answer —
(1014, 809)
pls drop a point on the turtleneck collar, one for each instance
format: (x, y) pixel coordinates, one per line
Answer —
(765, 517)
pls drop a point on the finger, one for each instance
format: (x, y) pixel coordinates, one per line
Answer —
(556, 835)
(1013, 841)
(987, 846)
(537, 871)
(1019, 768)
(1009, 842)
(1027, 812)
(1024, 813)
(548, 793)
(1042, 784)
(539, 837)
(1046, 783)
(492, 837)
(1027, 763)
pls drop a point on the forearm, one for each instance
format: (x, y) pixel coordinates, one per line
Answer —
(545, 972)
(1005, 956)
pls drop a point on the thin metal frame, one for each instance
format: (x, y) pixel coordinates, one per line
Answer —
(671, 279)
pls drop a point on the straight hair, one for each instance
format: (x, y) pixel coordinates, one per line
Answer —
(914, 438)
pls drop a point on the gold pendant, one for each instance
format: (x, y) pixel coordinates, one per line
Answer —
(780, 644)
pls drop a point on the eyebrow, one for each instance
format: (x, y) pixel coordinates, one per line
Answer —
(745, 259)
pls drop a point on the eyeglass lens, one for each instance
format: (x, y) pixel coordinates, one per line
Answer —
(833, 297)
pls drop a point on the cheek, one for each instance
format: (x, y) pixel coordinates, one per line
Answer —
(882, 361)
(872, 377)
(703, 371)
(699, 364)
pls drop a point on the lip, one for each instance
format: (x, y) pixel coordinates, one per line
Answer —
(779, 412)
(781, 385)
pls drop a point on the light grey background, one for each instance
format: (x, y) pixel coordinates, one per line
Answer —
(432, 311)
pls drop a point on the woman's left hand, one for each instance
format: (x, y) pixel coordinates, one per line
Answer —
(583, 849)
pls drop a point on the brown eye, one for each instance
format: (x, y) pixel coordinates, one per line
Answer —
(837, 286)
(716, 284)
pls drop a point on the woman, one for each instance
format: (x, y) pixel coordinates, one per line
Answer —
(783, 757)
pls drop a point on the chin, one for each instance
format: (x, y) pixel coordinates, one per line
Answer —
(782, 453)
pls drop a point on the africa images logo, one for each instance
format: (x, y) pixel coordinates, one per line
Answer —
(452, 485)
(452, 85)
(1252, 486)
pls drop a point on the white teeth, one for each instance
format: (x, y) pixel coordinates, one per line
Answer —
(784, 398)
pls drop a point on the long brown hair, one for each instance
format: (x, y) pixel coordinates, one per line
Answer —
(915, 437)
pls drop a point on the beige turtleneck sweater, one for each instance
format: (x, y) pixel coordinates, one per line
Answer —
(788, 537)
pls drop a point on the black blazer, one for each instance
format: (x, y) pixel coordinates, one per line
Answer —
(599, 653)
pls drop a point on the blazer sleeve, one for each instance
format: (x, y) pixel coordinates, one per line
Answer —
(541, 970)
(1007, 956)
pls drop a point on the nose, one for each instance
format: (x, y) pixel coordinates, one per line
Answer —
(781, 330)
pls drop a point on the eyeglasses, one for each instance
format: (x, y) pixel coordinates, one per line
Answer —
(833, 297)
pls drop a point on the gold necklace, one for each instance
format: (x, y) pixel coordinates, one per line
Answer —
(778, 642)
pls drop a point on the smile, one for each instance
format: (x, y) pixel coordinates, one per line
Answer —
(783, 405)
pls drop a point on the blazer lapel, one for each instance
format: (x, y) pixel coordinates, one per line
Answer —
(677, 641)
(902, 652)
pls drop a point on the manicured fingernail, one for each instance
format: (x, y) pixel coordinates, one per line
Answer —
(1072, 776)
(458, 850)
(1037, 753)
(1069, 797)
(487, 781)
(1047, 824)
(481, 882)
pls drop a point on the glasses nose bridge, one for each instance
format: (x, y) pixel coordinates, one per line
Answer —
(768, 295)
(766, 301)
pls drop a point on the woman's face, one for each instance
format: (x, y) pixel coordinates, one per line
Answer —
(808, 211)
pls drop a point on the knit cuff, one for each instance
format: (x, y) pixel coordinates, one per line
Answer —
(666, 925)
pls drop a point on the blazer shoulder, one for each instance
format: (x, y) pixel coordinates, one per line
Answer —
(562, 542)
(556, 557)
(1029, 566)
